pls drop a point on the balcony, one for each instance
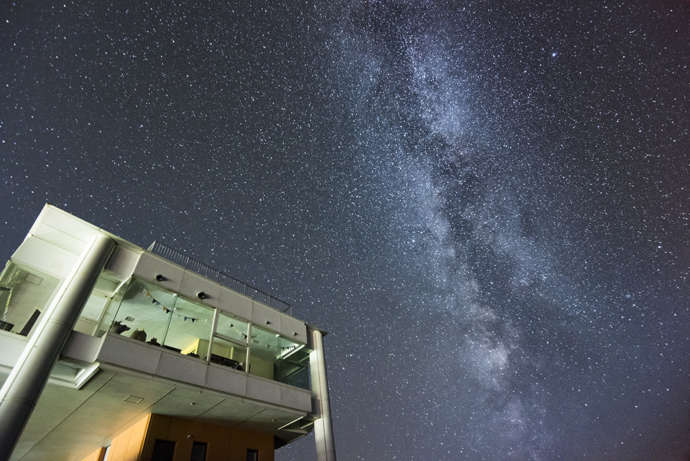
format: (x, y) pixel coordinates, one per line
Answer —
(139, 348)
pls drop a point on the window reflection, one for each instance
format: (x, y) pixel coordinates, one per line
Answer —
(190, 329)
(144, 313)
(24, 296)
(229, 354)
(232, 328)
(230, 342)
(160, 318)
(111, 308)
(96, 315)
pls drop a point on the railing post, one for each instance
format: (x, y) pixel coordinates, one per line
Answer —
(214, 325)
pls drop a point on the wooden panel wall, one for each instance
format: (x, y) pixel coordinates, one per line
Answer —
(125, 446)
(223, 443)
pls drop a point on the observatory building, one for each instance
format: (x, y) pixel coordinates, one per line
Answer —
(109, 351)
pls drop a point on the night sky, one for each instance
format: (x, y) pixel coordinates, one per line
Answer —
(485, 204)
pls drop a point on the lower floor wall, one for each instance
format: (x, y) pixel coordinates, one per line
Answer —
(223, 443)
(167, 438)
(125, 446)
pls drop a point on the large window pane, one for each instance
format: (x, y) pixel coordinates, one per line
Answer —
(111, 308)
(144, 313)
(190, 329)
(230, 342)
(294, 369)
(228, 353)
(275, 357)
(156, 316)
(263, 350)
(163, 450)
(232, 328)
(91, 316)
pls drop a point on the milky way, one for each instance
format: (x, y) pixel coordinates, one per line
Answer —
(486, 206)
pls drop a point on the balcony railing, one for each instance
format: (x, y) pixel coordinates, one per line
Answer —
(227, 280)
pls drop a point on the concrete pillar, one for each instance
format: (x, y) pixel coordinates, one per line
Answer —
(24, 385)
(323, 430)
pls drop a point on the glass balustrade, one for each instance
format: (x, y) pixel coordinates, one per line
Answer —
(190, 329)
(230, 342)
(147, 313)
(144, 313)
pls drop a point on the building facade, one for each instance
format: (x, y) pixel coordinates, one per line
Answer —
(111, 351)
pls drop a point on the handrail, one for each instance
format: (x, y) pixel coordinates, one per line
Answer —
(227, 280)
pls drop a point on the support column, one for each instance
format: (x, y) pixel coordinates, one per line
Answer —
(26, 381)
(323, 430)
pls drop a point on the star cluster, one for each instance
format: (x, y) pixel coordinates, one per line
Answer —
(485, 205)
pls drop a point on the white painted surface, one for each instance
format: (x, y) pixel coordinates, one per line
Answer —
(293, 329)
(263, 390)
(149, 266)
(123, 262)
(265, 317)
(45, 257)
(235, 303)
(82, 347)
(295, 398)
(130, 354)
(223, 379)
(192, 284)
(11, 345)
(180, 368)
(63, 230)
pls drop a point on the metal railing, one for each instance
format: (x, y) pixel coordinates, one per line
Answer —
(178, 257)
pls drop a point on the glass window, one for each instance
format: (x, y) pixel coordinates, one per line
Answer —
(231, 328)
(111, 308)
(228, 353)
(275, 357)
(144, 313)
(294, 369)
(198, 451)
(104, 292)
(24, 296)
(163, 450)
(230, 342)
(190, 329)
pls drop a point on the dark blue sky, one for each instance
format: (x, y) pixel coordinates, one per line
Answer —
(485, 204)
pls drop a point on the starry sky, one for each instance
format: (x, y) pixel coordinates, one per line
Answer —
(485, 204)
